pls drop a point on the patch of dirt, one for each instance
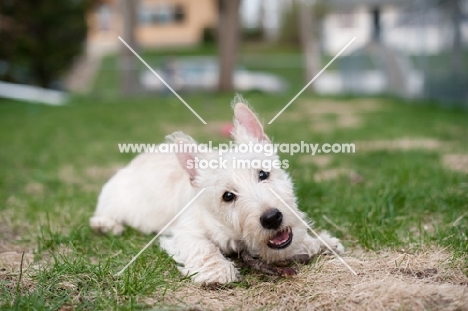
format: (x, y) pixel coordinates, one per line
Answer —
(34, 189)
(399, 144)
(420, 274)
(386, 281)
(348, 121)
(14, 202)
(335, 173)
(11, 261)
(322, 125)
(11, 253)
(456, 162)
(9, 231)
(90, 179)
(348, 114)
(338, 107)
(68, 175)
(102, 173)
(17, 269)
(8, 243)
(318, 160)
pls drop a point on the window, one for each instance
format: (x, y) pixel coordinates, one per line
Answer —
(104, 17)
(161, 14)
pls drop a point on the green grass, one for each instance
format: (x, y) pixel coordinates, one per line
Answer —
(404, 191)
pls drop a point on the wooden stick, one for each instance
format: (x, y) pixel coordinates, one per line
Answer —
(266, 268)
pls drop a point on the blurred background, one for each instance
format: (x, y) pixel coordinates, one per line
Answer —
(71, 91)
(411, 49)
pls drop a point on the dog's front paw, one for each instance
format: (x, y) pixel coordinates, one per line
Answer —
(102, 224)
(332, 242)
(217, 274)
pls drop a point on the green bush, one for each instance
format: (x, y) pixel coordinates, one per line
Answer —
(252, 34)
(39, 39)
(209, 35)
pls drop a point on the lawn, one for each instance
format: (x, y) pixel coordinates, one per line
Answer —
(399, 204)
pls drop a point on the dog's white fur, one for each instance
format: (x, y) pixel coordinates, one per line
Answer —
(154, 187)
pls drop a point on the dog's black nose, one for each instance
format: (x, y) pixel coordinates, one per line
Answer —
(271, 219)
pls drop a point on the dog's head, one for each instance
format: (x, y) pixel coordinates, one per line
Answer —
(249, 197)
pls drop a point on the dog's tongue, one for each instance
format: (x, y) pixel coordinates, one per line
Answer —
(281, 237)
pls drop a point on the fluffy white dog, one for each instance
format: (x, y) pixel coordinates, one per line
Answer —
(237, 212)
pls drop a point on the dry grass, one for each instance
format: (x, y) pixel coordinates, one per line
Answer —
(334, 173)
(10, 262)
(337, 107)
(90, 179)
(456, 162)
(348, 115)
(11, 231)
(318, 160)
(399, 144)
(388, 280)
(34, 189)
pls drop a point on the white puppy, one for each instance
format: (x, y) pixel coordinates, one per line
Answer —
(237, 212)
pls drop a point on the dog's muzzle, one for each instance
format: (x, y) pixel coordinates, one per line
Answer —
(281, 239)
(272, 219)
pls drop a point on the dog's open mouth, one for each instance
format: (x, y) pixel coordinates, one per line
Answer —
(281, 239)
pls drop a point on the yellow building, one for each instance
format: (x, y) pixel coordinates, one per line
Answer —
(159, 23)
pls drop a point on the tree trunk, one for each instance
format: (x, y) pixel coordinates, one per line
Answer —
(309, 42)
(228, 41)
(456, 18)
(127, 59)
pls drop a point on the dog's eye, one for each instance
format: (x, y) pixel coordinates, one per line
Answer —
(228, 196)
(263, 175)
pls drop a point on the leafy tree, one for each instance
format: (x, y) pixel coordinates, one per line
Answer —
(40, 38)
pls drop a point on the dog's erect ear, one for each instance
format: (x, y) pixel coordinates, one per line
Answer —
(185, 153)
(247, 127)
